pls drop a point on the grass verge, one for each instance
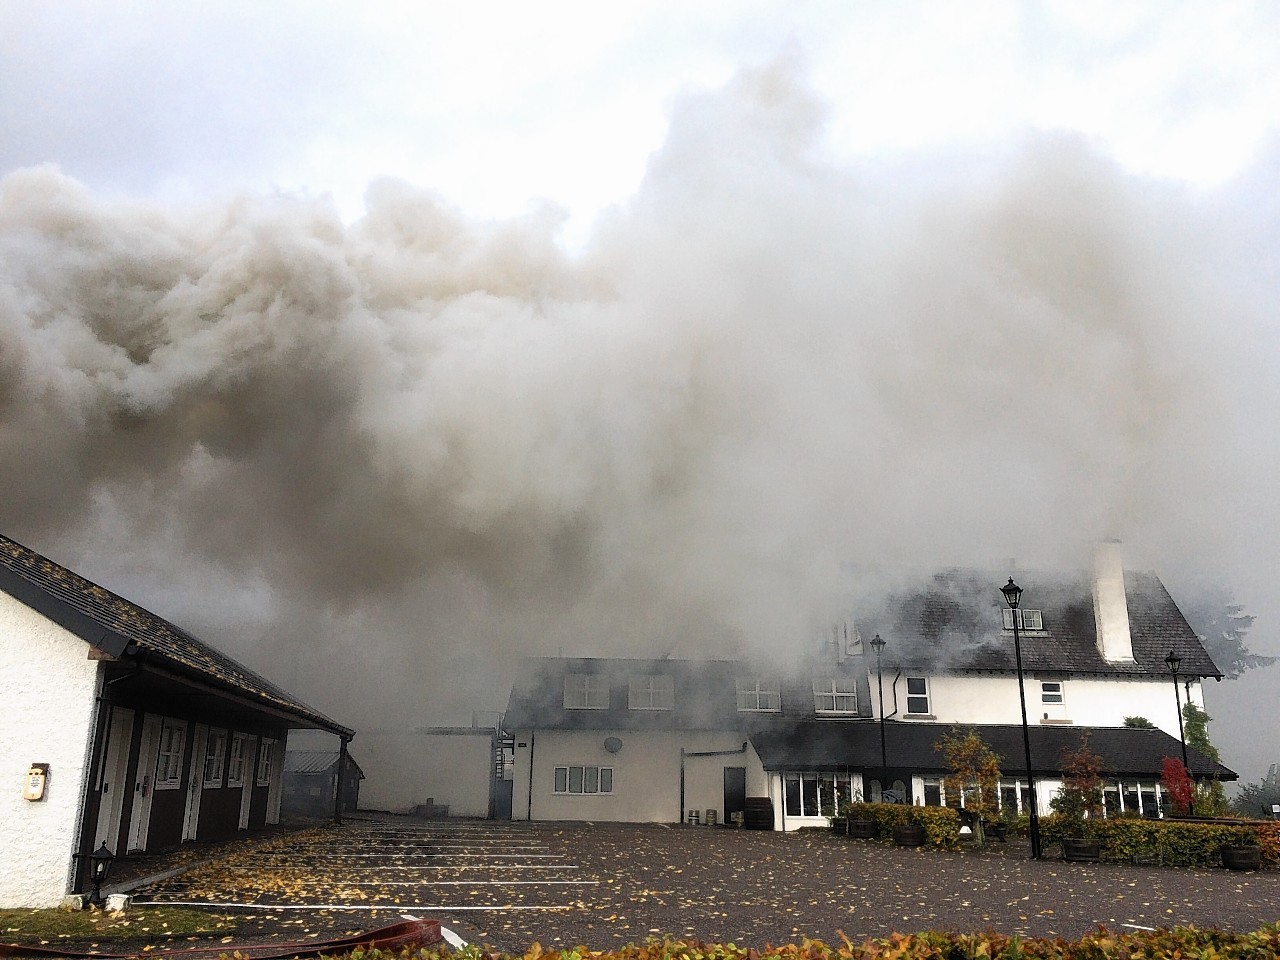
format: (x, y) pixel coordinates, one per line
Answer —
(141, 923)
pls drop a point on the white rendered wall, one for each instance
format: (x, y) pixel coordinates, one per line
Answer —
(646, 774)
(1087, 702)
(47, 686)
(404, 768)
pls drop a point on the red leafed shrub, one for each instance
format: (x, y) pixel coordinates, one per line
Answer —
(1175, 778)
(1269, 841)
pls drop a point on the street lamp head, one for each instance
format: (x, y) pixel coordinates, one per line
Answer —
(100, 864)
(1173, 661)
(1012, 594)
(878, 643)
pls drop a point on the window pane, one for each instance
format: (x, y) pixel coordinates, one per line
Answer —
(590, 779)
(562, 779)
(575, 779)
(791, 794)
(932, 793)
(606, 779)
(915, 685)
(809, 795)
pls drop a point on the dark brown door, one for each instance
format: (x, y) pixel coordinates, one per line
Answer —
(735, 792)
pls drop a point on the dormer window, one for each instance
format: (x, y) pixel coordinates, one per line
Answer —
(586, 691)
(1027, 619)
(651, 692)
(838, 695)
(758, 696)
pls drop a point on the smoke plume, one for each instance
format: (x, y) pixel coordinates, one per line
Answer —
(382, 460)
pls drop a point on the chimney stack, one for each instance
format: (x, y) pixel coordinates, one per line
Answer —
(1110, 606)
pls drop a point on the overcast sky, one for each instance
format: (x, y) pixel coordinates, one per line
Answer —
(636, 233)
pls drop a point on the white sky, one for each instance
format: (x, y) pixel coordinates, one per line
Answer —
(500, 106)
(497, 105)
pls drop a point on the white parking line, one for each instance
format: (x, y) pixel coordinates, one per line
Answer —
(469, 883)
(345, 857)
(361, 907)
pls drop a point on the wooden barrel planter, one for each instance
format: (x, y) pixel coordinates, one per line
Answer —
(863, 829)
(1080, 850)
(909, 835)
(1242, 857)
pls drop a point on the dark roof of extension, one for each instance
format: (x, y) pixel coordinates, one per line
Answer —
(308, 762)
(952, 622)
(120, 627)
(537, 697)
(836, 745)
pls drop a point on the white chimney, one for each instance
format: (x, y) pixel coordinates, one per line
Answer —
(1110, 608)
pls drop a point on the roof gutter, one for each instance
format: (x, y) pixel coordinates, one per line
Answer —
(228, 691)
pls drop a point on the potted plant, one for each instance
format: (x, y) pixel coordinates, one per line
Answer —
(1079, 800)
(855, 822)
(910, 832)
(1245, 854)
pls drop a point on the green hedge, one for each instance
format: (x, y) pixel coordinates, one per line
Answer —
(1184, 943)
(1172, 842)
(941, 824)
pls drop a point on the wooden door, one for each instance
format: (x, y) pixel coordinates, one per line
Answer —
(195, 782)
(144, 782)
(111, 778)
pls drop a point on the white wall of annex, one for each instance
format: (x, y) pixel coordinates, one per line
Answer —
(646, 774)
(47, 685)
(405, 768)
(1087, 701)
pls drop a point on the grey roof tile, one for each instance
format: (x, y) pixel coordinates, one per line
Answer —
(82, 606)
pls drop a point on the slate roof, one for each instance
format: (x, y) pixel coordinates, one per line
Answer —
(823, 745)
(537, 696)
(120, 627)
(952, 622)
(316, 761)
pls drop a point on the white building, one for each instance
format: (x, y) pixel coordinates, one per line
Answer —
(667, 740)
(119, 728)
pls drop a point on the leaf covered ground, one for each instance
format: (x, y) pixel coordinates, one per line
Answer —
(603, 886)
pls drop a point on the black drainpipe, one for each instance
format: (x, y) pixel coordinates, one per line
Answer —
(342, 781)
(529, 812)
(703, 753)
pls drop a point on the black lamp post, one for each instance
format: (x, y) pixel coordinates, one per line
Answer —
(99, 866)
(1173, 661)
(877, 643)
(1012, 596)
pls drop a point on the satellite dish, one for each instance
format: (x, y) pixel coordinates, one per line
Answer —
(612, 744)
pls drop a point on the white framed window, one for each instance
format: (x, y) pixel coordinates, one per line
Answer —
(835, 695)
(173, 742)
(934, 791)
(583, 779)
(215, 757)
(918, 695)
(586, 691)
(235, 761)
(1051, 692)
(651, 692)
(266, 762)
(756, 695)
(1027, 619)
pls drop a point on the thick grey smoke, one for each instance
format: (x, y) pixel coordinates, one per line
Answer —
(382, 460)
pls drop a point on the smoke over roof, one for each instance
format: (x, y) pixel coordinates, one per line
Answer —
(381, 461)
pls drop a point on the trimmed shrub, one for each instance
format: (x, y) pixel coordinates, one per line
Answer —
(1171, 842)
(1184, 942)
(941, 824)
